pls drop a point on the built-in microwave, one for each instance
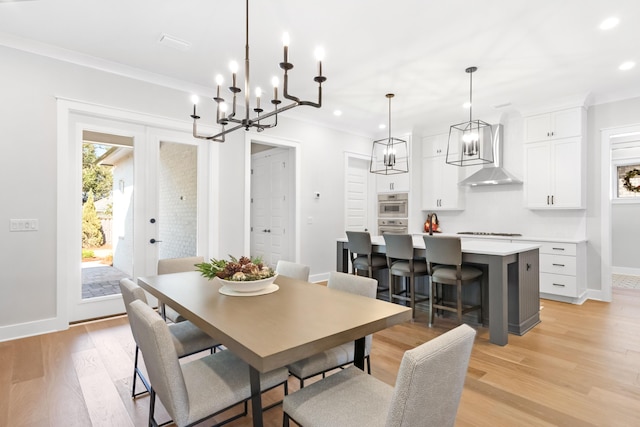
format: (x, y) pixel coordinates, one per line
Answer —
(393, 205)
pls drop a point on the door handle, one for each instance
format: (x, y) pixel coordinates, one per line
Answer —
(152, 241)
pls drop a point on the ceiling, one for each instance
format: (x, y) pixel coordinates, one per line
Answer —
(529, 54)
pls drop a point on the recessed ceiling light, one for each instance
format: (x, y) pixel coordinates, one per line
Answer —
(337, 113)
(609, 23)
(382, 126)
(627, 65)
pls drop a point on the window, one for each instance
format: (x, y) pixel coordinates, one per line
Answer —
(627, 173)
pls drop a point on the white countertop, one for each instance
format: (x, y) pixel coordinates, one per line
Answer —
(485, 247)
(523, 238)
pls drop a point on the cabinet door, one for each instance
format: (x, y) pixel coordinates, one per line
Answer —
(393, 183)
(567, 123)
(440, 190)
(538, 174)
(567, 174)
(450, 192)
(436, 145)
(537, 128)
(431, 182)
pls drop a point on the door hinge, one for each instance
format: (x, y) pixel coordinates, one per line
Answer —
(252, 229)
(251, 171)
(284, 165)
(252, 200)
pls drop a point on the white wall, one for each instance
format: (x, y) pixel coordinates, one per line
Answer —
(29, 87)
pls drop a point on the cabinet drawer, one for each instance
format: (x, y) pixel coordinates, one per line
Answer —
(558, 264)
(558, 284)
(558, 248)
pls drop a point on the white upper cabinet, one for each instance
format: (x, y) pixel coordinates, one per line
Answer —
(554, 125)
(555, 159)
(436, 145)
(400, 182)
(440, 190)
(554, 174)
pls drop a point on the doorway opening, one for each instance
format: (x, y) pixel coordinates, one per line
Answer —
(107, 175)
(616, 144)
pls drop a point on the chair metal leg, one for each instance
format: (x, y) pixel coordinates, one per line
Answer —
(285, 420)
(432, 296)
(412, 297)
(459, 301)
(138, 373)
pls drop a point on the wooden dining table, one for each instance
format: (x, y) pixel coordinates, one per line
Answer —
(270, 331)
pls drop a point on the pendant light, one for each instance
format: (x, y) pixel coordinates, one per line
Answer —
(389, 155)
(470, 143)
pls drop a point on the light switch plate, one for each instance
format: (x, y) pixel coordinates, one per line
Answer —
(23, 225)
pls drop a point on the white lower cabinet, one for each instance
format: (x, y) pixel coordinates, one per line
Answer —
(563, 271)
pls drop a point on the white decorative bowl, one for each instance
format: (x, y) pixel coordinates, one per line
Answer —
(248, 285)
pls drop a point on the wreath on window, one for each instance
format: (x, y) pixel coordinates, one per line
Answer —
(627, 180)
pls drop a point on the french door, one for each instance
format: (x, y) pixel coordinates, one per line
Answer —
(157, 207)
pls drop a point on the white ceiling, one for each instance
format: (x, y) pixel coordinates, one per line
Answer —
(529, 54)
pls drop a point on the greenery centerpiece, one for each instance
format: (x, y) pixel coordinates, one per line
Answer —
(244, 269)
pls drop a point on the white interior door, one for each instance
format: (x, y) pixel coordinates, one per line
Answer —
(357, 203)
(270, 205)
(158, 201)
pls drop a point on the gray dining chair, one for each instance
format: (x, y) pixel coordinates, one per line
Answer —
(197, 390)
(362, 256)
(176, 265)
(344, 354)
(444, 257)
(401, 263)
(427, 390)
(292, 269)
(187, 338)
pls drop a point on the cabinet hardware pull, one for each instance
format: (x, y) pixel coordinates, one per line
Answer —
(551, 199)
(558, 284)
(559, 265)
(558, 249)
(547, 199)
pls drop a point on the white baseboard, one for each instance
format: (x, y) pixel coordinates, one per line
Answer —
(626, 271)
(29, 329)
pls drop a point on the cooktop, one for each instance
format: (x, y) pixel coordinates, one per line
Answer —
(484, 233)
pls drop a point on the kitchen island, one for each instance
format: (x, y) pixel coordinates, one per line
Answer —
(510, 279)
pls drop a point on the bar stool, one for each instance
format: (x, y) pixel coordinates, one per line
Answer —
(362, 256)
(401, 263)
(446, 252)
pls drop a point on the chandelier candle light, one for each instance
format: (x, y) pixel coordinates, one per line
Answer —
(389, 156)
(470, 143)
(256, 122)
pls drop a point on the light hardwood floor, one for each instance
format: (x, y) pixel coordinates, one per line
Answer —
(579, 367)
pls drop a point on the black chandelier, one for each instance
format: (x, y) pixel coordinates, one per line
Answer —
(257, 121)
